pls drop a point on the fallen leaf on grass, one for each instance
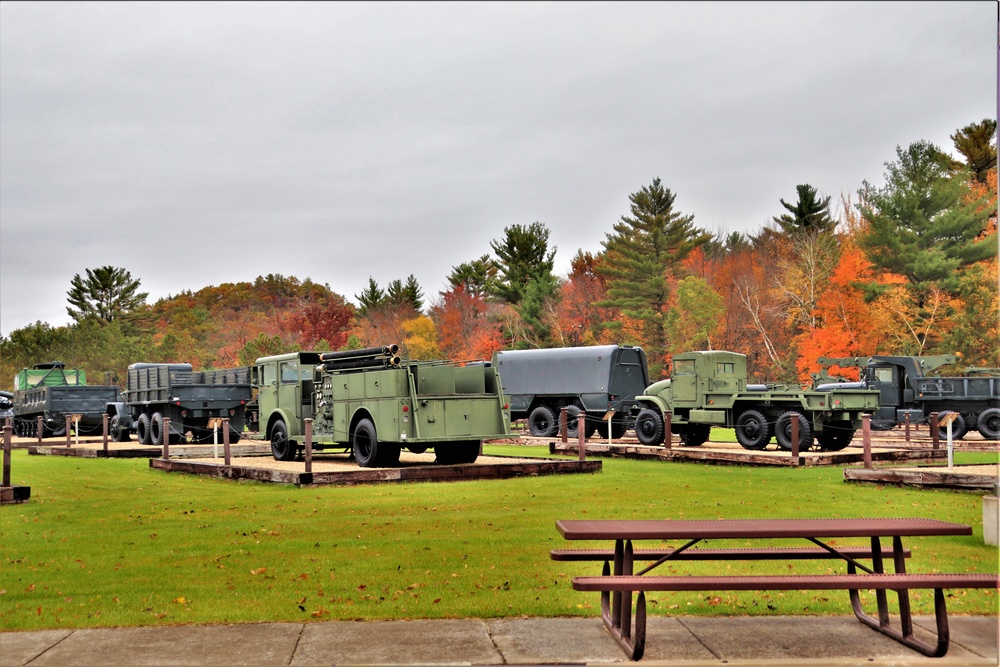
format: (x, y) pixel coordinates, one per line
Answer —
(259, 570)
(180, 600)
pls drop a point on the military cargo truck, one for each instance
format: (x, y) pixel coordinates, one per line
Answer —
(373, 404)
(189, 399)
(52, 391)
(709, 389)
(539, 383)
(905, 388)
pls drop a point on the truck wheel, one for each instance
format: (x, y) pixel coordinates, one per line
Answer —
(696, 435)
(573, 422)
(618, 428)
(783, 431)
(458, 452)
(365, 444)
(282, 448)
(752, 430)
(115, 430)
(835, 436)
(958, 427)
(989, 424)
(649, 427)
(142, 430)
(542, 422)
(156, 429)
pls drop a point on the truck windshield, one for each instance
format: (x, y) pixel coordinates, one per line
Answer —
(684, 367)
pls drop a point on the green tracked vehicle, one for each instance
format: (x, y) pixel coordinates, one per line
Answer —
(709, 389)
(373, 404)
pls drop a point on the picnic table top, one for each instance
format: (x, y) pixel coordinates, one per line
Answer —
(667, 529)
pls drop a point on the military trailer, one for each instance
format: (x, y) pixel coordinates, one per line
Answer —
(598, 379)
(373, 404)
(52, 391)
(905, 389)
(189, 399)
(709, 389)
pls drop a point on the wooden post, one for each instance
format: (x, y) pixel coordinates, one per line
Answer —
(795, 438)
(935, 440)
(104, 429)
(906, 425)
(40, 431)
(213, 424)
(562, 425)
(581, 431)
(225, 439)
(308, 456)
(69, 430)
(667, 435)
(165, 437)
(866, 439)
(7, 432)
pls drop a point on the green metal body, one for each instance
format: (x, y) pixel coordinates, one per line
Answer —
(416, 405)
(711, 389)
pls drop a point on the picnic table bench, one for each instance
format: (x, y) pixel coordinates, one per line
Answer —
(619, 580)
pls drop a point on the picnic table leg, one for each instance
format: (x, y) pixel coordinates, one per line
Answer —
(616, 607)
(904, 636)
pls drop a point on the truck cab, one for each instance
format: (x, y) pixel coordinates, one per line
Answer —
(285, 384)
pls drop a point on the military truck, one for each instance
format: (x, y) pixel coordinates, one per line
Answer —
(189, 399)
(709, 389)
(905, 387)
(539, 383)
(373, 404)
(52, 391)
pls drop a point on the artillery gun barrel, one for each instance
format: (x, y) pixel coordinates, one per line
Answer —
(369, 362)
(365, 353)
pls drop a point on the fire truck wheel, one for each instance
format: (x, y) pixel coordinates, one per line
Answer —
(282, 448)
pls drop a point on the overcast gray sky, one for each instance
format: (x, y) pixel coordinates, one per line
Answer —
(197, 143)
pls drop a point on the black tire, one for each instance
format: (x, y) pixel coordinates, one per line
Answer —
(542, 422)
(572, 422)
(695, 435)
(142, 430)
(618, 429)
(835, 436)
(649, 427)
(958, 427)
(117, 432)
(752, 430)
(156, 429)
(458, 452)
(365, 444)
(282, 448)
(783, 431)
(989, 424)
(53, 432)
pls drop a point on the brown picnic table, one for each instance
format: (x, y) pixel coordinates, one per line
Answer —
(619, 578)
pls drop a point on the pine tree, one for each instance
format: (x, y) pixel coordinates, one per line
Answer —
(640, 254)
(108, 293)
(370, 298)
(523, 256)
(977, 142)
(810, 213)
(475, 278)
(919, 226)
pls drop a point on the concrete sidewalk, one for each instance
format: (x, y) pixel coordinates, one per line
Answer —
(745, 640)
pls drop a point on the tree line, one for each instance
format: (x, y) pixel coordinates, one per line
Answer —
(909, 267)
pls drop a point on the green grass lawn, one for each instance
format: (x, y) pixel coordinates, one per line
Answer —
(115, 543)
